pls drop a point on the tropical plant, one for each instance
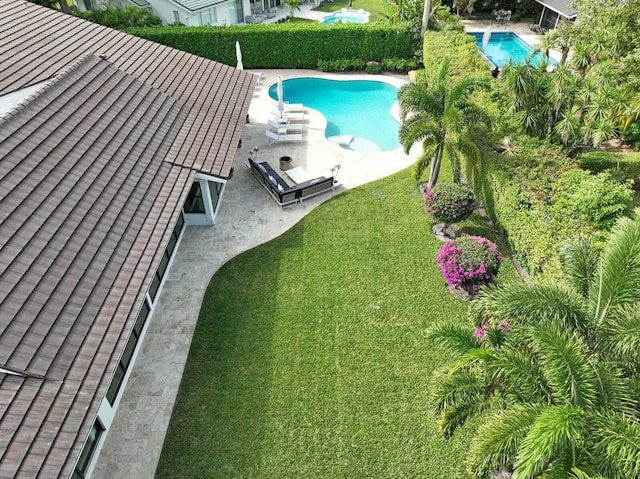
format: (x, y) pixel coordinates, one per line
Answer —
(557, 389)
(440, 115)
(122, 17)
(293, 6)
(469, 262)
(449, 203)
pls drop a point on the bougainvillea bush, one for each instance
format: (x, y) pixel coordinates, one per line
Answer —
(469, 262)
(449, 203)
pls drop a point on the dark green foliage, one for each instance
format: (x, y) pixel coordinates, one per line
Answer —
(298, 45)
(400, 64)
(624, 166)
(373, 68)
(341, 65)
(538, 199)
(122, 18)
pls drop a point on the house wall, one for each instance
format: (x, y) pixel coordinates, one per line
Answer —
(224, 13)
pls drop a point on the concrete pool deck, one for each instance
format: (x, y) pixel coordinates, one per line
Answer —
(247, 218)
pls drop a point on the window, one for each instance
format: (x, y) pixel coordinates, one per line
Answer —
(124, 362)
(194, 202)
(89, 447)
(215, 188)
(176, 16)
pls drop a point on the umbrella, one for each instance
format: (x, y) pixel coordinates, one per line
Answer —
(280, 95)
(239, 56)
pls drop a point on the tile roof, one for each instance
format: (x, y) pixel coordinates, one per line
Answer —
(37, 43)
(94, 168)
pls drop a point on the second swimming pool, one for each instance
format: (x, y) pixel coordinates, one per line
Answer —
(504, 47)
(358, 112)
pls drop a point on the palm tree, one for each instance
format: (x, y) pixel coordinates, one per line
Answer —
(440, 114)
(554, 369)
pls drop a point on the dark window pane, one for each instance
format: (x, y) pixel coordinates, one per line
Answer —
(141, 319)
(89, 447)
(128, 351)
(172, 244)
(162, 267)
(179, 224)
(153, 289)
(194, 203)
(114, 387)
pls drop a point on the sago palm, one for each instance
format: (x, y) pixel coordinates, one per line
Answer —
(558, 386)
(440, 114)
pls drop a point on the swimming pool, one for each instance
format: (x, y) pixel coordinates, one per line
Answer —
(505, 46)
(358, 112)
(346, 16)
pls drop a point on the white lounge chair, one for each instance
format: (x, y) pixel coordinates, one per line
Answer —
(289, 116)
(284, 126)
(292, 107)
(278, 137)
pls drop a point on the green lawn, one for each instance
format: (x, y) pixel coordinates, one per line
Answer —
(378, 9)
(309, 359)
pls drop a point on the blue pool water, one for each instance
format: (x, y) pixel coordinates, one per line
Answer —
(350, 16)
(505, 46)
(358, 108)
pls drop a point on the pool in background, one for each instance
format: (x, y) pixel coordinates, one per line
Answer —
(346, 16)
(505, 46)
(358, 112)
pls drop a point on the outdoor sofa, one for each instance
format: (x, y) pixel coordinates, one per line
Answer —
(281, 191)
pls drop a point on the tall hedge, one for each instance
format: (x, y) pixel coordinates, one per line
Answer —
(284, 45)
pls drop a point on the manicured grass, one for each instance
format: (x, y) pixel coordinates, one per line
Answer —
(309, 358)
(378, 9)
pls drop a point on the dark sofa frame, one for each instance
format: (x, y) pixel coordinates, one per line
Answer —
(281, 191)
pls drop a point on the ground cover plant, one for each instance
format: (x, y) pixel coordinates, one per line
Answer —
(309, 358)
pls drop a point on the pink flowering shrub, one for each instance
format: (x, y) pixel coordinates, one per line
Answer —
(449, 203)
(469, 262)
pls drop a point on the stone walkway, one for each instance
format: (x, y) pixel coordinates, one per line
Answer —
(247, 217)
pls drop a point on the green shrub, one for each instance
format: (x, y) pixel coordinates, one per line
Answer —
(121, 18)
(625, 166)
(593, 200)
(449, 202)
(373, 68)
(400, 64)
(298, 45)
(341, 65)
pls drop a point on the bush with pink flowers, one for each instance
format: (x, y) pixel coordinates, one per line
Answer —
(469, 262)
(449, 203)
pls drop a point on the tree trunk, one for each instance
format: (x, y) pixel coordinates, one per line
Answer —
(425, 17)
(64, 6)
(435, 168)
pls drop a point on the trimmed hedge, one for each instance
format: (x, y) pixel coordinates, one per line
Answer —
(287, 45)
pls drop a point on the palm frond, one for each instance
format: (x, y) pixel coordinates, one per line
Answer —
(499, 438)
(579, 259)
(619, 336)
(555, 429)
(519, 375)
(565, 364)
(519, 303)
(616, 440)
(619, 279)
(458, 397)
(457, 339)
